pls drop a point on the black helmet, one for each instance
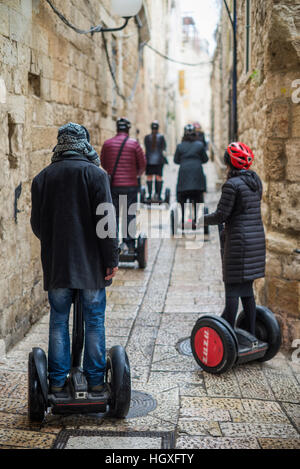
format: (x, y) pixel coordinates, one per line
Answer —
(189, 129)
(155, 125)
(123, 124)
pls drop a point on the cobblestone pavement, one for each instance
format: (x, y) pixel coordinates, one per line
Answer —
(174, 403)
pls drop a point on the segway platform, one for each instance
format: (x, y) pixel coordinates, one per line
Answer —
(154, 200)
(76, 397)
(140, 253)
(217, 347)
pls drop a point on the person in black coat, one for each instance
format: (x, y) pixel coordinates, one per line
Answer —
(191, 184)
(243, 238)
(155, 146)
(72, 215)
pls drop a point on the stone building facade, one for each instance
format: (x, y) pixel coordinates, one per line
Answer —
(50, 75)
(268, 38)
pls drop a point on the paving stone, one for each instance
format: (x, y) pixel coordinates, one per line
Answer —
(225, 385)
(198, 427)
(26, 439)
(258, 430)
(258, 417)
(188, 442)
(212, 403)
(252, 382)
(279, 443)
(293, 411)
(284, 386)
(213, 415)
(113, 442)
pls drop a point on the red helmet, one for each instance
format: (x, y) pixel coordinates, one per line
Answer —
(241, 156)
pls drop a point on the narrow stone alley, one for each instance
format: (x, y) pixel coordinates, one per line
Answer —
(174, 403)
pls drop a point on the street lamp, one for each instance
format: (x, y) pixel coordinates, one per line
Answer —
(124, 8)
(127, 8)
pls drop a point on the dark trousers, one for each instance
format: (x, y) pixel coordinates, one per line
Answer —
(126, 205)
(195, 197)
(231, 309)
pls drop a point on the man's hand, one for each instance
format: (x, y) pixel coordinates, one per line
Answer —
(111, 272)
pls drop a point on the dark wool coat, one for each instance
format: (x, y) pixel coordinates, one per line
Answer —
(65, 196)
(244, 238)
(155, 156)
(191, 156)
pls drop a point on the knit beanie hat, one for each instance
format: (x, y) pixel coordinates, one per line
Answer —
(74, 137)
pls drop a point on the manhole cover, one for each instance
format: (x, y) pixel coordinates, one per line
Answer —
(97, 439)
(183, 346)
(141, 404)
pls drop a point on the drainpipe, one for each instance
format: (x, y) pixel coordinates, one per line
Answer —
(233, 22)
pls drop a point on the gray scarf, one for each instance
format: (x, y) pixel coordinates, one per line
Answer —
(74, 137)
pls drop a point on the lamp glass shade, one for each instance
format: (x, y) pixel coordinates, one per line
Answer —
(126, 8)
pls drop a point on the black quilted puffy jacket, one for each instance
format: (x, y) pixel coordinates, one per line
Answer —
(244, 253)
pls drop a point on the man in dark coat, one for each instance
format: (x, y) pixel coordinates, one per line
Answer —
(71, 206)
(243, 239)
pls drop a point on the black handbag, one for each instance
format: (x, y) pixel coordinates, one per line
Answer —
(112, 175)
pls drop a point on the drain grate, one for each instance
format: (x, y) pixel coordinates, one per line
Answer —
(183, 346)
(97, 439)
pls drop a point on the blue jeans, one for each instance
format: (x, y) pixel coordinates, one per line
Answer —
(59, 356)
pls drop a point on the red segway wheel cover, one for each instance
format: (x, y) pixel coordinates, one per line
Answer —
(209, 346)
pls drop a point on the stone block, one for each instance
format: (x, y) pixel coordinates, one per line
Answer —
(43, 138)
(295, 120)
(283, 296)
(293, 159)
(278, 118)
(281, 244)
(4, 20)
(274, 158)
(16, 108)
(284, 206)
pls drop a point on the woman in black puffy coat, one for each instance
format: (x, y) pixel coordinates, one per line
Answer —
(191, 184)
(243, 239)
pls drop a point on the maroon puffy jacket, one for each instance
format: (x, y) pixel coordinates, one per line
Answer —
(132, 162)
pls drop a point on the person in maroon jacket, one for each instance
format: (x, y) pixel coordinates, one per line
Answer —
(124, 184)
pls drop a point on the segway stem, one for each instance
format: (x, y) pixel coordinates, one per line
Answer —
(78, 331)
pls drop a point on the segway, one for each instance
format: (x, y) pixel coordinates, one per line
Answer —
(155, 200)
(174, 221)
(76, 396)
(139, 254)
(217, 347)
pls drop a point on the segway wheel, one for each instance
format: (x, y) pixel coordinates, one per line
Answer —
(206, 228)
(214, 344)
(143, 195)
(119, 381)
(267, 330)
(173, 222)
(167, 196)
(36, 403)
(142, 251)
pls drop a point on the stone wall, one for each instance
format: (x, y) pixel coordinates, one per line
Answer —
(269, 122)
(50, 75)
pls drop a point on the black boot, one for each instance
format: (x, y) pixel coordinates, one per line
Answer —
(149, 184)
(158, 188)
